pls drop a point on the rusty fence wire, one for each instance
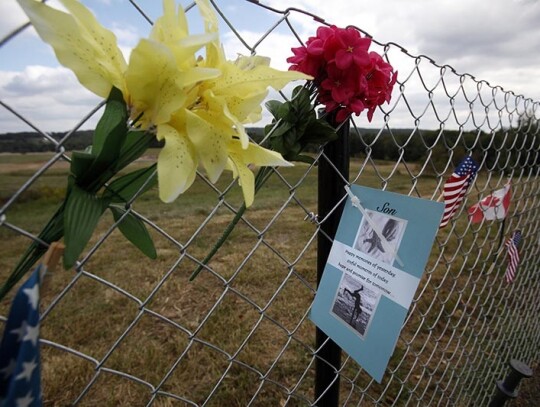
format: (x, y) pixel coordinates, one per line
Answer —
(120, 329)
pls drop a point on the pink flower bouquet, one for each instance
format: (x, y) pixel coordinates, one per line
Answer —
(347, 76)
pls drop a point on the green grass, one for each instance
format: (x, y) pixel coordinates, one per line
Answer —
(236, 310)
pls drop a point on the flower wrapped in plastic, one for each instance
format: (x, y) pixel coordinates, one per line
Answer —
(197, 104)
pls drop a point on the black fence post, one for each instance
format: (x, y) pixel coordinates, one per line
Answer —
(331, 189)
(508, 389)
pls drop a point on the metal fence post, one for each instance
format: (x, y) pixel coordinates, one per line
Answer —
(508, 389)
(331, 189)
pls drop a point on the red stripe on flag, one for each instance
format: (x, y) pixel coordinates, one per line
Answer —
(454, 190)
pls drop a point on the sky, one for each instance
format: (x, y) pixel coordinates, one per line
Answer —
(495, 41)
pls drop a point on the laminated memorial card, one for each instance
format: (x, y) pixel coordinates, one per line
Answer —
(378, 256)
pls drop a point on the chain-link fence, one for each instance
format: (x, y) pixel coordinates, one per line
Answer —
(124, 330)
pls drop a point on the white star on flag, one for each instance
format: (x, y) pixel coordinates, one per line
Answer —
(25, 401)
(20, 372)
(33, 295)
(28, 369)
(20, 331)
(32, 334)
(9, 368)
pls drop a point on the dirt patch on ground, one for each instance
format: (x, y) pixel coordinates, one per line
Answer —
(529, 390)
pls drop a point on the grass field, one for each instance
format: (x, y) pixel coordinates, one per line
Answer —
(244, 325)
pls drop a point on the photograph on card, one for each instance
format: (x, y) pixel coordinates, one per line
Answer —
(368, 240)
(355, 304)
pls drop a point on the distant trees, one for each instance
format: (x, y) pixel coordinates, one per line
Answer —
(504, 150)
(32, 142)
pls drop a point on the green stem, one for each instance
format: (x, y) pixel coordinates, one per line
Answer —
(116, 166)
(53, 231)
(262, 176)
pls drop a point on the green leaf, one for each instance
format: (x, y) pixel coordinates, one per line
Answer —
(298, 90)
(293, 151)
(300, 99)
(123, 189)
(135, 144)
(109, 137)
(288, 113)
(291, 138)
(113, 121)
(319, 131)
(280, 130)
(81, 163)
(52, 232)
(81, 217)
(135, 231)
(277, 145)
(273, 107)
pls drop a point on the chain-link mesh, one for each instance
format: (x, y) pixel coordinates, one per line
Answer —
(125, 330)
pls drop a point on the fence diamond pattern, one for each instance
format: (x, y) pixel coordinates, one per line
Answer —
(124, 330)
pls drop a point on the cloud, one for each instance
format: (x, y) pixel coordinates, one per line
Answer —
(495, 41)
(50, 98)
(477, 37)
(11, 17)
(127, 35)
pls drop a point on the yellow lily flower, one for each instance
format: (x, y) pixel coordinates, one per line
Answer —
(197, 105)
(156, 87)
(243, 84)
(224, 104)
(153, 83)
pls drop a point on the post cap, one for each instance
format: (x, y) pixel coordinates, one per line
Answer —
(521, 368)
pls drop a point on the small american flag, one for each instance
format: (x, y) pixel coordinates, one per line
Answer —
(456, 186)
(513, 255)
(20, 375)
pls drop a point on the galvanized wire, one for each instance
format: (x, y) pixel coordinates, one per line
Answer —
(465, 322)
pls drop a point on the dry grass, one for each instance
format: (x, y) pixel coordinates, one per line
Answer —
(243, 326)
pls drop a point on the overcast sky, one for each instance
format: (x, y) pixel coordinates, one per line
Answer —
(497, 41)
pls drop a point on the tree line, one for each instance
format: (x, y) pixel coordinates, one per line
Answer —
(33, 142)
(508, 148)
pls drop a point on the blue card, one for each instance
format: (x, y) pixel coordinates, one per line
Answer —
(373, 271)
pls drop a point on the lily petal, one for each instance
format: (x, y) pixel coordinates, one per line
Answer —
(196, 74)
(246, 179)
(176, 164)
(220, 106)
(215, 55)
(249, 76)
(247, 110)
(151, 79)
(210, 141)
(171, 26)
(80, 44)
(211, 23)
(257, 155)
(253, 154)
(171, 29)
